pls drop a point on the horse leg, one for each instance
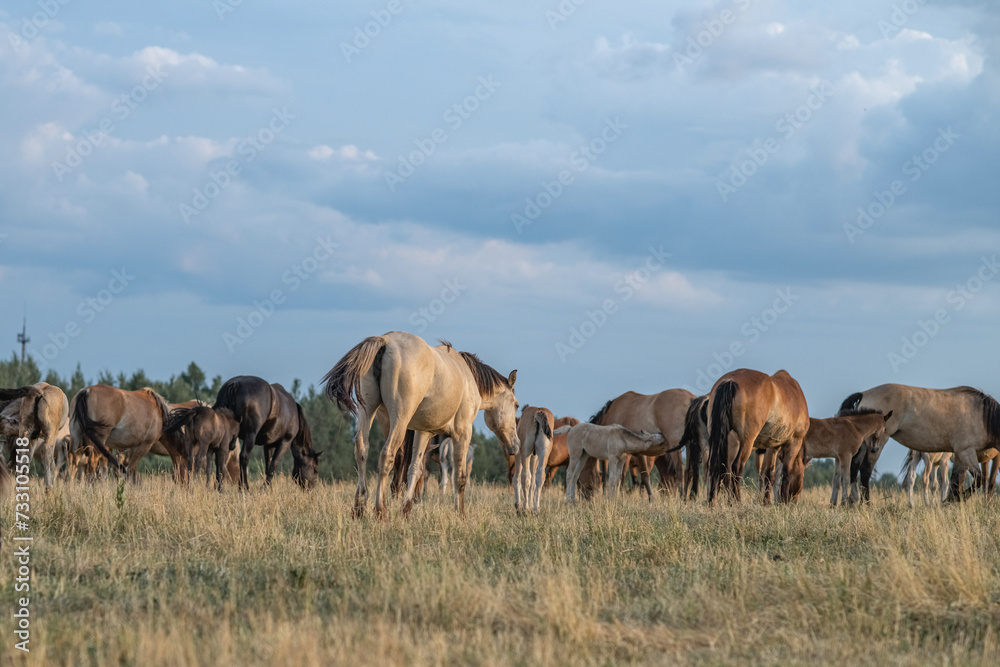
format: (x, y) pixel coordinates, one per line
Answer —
(365, 419)
(540, 470)
(277, 451)
(968, 461)
(573, 475)
(444, 460)
(419, 446)
(645, 467)
(248, 434)
(518, 479)
(926, 476)
(49, 460)
(460, 452)
(911, 478)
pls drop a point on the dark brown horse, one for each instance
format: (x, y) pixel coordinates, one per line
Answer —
(202, 429)
(750, 410)
(268, 416)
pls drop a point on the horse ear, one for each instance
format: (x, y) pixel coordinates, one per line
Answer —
(512, 378)
(888, 415)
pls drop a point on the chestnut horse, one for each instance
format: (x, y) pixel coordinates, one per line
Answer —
(656, 413)
(962, 420)
(268, 416)
(750, 410)
(409, 384)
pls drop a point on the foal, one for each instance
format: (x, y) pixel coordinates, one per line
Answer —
(935, 473)
(614, 443)
(841, 438)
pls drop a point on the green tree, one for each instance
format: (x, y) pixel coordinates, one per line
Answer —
(15, 374)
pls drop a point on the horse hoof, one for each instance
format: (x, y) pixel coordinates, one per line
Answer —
(407, 508)
(380, 513)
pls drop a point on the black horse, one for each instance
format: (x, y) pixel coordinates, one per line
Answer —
(270, 417)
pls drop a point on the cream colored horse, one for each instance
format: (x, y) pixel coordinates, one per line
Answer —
(446, 452)
(36, 412)
(962, 420)
(534, 430)
(934, 476)
(614, 443)
(409, 384)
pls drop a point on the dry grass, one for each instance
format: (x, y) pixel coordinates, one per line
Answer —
(187, 576)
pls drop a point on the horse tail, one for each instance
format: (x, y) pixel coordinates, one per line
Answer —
(343, 382)
(178, 419)
(991, 417)
(542, 424)
(850, 403)
(718, 437)
(36, 426)
(88, 427)
(226, 398)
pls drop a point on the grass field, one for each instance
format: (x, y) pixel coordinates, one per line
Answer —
(174, 576)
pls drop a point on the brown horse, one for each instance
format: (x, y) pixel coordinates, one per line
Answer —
(409, 384)
(962, 420)
(269, 416)
(656, 413)
(206, 430)
(695, 441)
(841, 438)
(36, 412)
(113, 418)
(750, 410)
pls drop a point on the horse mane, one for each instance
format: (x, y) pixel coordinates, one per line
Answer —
(487, 378)
(446, 343)
(850, 403)
(991, 411)
(853, 412)
(598, 416)
(161, 402)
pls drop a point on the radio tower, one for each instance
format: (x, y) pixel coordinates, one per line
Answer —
(22, 337)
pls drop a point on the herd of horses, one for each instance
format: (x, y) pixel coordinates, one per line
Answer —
(427, 398)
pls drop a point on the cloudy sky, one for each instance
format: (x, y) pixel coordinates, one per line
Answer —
(606, 196)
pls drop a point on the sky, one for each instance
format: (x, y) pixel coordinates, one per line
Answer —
(604, 196)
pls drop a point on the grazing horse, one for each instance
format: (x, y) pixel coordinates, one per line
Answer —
(695, 441)
(206, 430)
(614, 443)
(36, 412)
(113, 418)
(962, 420)
(841, 438)
(409, 384)
(534, 430)
(662, 413)
(935, 474)
(268, 416)
(750, 410)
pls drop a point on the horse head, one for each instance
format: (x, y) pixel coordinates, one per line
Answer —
(501, 415)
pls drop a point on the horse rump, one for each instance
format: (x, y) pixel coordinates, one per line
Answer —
(88, 428)
(343, 382)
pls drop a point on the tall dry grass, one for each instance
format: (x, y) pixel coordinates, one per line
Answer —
(186, 576)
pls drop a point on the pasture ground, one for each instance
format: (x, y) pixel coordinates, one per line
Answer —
(186, 576)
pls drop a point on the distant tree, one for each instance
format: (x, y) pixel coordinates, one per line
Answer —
(194, 377)
(15, 374)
